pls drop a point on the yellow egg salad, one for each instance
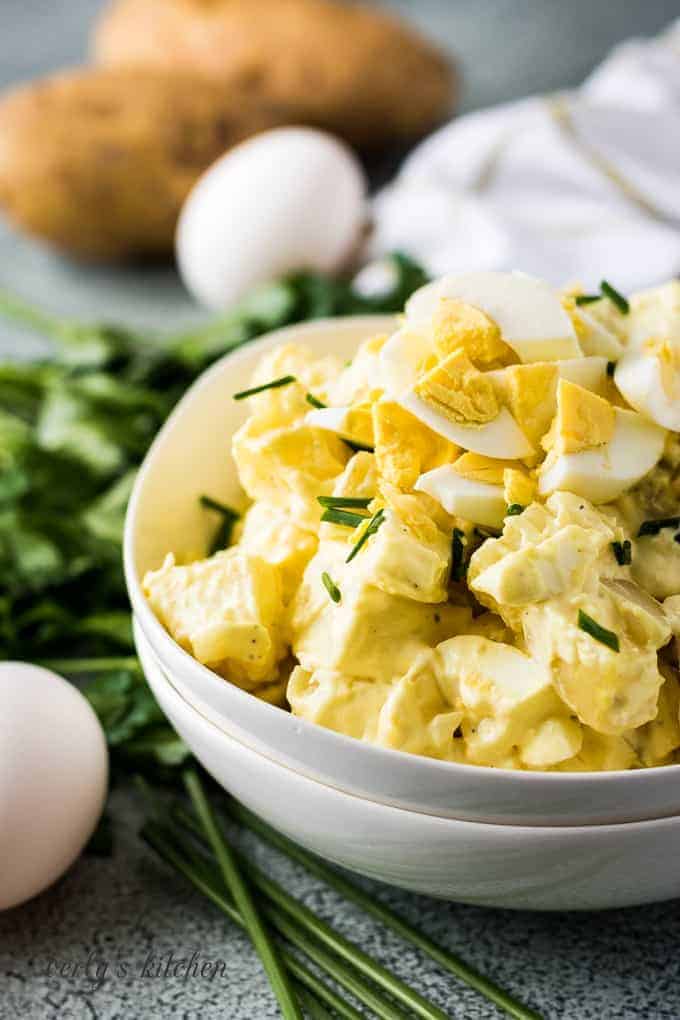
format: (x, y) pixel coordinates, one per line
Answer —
(465, 542)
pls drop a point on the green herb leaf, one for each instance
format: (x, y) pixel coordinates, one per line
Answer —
(615, 297)
(623, 551)
(514, 509)
(597, 631)
(653, 527)
(331, 587)
(587, 299)
(345, 501)
(314, 401)
(370, 529)
(342, 517)
(275, 384)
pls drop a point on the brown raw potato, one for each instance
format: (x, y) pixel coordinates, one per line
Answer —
(352, 70)
(98, 162)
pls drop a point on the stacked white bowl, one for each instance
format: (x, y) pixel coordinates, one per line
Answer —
(530, 840)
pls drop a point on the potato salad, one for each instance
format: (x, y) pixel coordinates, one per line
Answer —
(464, 542)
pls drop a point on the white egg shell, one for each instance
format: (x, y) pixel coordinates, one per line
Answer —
(639, 377)
(53, 778)
(527, 310)
(291, 198)
(479, 502)
(501, 438)
(603, 473)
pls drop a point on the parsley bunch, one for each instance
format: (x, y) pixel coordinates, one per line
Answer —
(73, 429)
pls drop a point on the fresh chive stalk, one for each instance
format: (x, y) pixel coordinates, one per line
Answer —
(374, 523)
(207, 884)
(615, 297)
(308, 924)
(275, 384)
(451, 963)
(587, 299)
(623, 552)
(345, 501)
(233, 880)
(314, 401)
(514, 509)
(331, 587)
(653, 527)
(597, 631)
(295, 934)
(343, 517)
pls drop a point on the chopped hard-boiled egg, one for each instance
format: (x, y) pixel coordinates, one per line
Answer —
(479, 502)
(603, 472)
(502, 437)
(649, 379)
(527, 310)
(509, 449)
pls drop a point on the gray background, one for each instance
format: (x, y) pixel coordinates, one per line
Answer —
(114, 912)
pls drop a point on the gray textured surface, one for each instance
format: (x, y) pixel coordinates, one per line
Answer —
(619, 965)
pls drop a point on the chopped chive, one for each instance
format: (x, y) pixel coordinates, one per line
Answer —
(275, 384)
(653, 527)
(371, 528)
(314, 401)
(597, 631)
(623, 551)
(514, 509)
(343, 517)
(222, 537)
(676, 538)
(331, 587)
(359, 447)
(587, 299)
(458, 555)
(611, 368)
(615, 297)
(338, 501)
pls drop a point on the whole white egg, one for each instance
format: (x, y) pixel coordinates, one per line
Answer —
(288, 199)
(53, 778)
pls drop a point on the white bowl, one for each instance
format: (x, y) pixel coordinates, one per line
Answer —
(191, 456)
(529, 868)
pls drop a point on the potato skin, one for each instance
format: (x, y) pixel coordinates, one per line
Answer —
(352, 70)
(98, 162)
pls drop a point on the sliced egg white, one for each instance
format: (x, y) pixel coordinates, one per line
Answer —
(640, 378)
(527, 310)
(591, 372)
(479, 502)
(597, 339)
(400, 359)
(502, 437)
(603, 473)
(330, 419)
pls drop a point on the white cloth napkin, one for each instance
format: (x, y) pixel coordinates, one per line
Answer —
(571, 187)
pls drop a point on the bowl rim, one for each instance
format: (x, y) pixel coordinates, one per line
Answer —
(160, 638)
(666, 821)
